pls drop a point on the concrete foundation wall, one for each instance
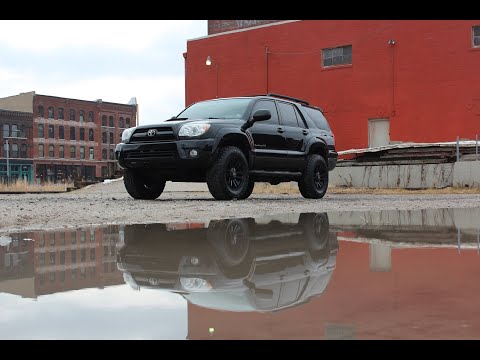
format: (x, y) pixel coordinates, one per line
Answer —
(466, 174)
(184, 186)
(465, 219)
(421, 176)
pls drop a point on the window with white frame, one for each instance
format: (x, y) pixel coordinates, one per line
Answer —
(476, 36)
(341, 55)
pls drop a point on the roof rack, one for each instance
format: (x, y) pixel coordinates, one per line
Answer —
(288, 98)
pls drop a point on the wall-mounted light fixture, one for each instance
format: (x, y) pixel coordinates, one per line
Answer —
(391, 42)
(209, 62)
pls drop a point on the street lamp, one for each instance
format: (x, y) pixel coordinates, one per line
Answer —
(208, 62)
(8, 153)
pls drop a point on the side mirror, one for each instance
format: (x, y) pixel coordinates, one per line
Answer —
(259, 115)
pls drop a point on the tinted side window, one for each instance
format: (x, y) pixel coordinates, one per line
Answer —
(318, 118)
(287, 113)
(268, 105)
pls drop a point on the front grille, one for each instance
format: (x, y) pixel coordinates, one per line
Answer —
(149, 263)
(161, 134)
(149, 154)
(163, 281)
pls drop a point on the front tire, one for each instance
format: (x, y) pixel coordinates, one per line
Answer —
(251, 185)
(142, 187)
(228, 177)
(230, 240)
(314, 181)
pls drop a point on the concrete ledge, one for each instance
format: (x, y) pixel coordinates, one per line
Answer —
(466, 174)
(185, 186)
(417, 176)
(467, 220)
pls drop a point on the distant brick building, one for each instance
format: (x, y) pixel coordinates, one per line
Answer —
(378, 81)
(48, 262)
(17, 146)
(71, 138)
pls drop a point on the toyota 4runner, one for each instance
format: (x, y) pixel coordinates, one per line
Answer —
(231, 143)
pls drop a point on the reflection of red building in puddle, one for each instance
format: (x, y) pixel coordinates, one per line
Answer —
(60, 261)
(412, 293)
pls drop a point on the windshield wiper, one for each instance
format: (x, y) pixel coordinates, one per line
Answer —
(212, 117)
(174, 119)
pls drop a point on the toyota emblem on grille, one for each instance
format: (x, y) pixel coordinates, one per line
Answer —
(151, 132)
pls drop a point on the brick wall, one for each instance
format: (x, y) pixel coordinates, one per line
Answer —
(426, 83)
(99, 110)
(219, 26)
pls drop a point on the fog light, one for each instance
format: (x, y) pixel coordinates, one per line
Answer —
(193, 153)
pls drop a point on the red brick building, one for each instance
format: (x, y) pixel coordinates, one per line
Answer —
(47, 262)
(427, 294)
(378, 81)
(16, 152)
(219, 26)
(71, 138)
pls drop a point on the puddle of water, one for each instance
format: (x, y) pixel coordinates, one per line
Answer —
(341, 275)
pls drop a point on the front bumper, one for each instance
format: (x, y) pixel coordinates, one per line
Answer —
(165, 155)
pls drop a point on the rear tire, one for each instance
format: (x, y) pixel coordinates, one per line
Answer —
(314, 181)
(142, 187)
(316, 230)
(228, 177)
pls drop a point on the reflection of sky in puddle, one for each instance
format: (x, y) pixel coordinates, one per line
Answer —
(412, 271)
(115, 312)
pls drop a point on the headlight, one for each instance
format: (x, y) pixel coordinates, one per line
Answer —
(130, 281)
(193, 129)
(127, 134)
(195, 284)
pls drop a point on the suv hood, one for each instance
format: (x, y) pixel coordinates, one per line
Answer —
(178, 123)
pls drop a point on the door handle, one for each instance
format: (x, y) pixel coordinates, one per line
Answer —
(304, 132)
(280, 129)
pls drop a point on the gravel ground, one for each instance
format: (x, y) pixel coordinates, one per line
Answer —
(109, 203)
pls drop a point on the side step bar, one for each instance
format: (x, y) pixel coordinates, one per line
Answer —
(275, 175)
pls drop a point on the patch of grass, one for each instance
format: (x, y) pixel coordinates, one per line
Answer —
(282, 188)
(22, 186)
(292, 188)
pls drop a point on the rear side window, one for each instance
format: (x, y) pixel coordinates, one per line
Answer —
(318, 118)
(287, 113)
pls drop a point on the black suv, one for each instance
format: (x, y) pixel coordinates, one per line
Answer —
(231, 143)
(263, 264)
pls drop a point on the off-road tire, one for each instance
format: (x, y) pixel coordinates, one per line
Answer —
(142, 187)
(314, 181)
(223, 180)
(251, 185)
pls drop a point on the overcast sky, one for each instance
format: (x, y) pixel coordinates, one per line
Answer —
(112, 60)
(115, 312)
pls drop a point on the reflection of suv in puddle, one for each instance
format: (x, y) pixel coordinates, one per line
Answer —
(234, 264)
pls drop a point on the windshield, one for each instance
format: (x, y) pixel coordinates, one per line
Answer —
(217, 109)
